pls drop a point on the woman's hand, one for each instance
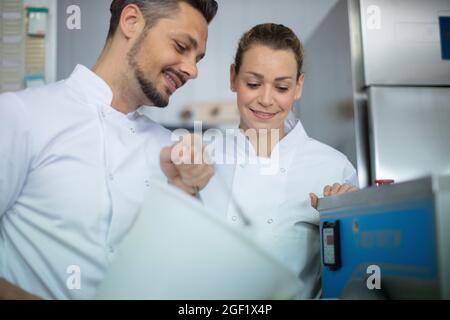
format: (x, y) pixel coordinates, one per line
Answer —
(332, 190)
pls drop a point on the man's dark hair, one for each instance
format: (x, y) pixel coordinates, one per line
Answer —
(153, 10)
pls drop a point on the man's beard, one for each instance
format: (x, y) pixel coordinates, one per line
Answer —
(150, 90)
(147, 87)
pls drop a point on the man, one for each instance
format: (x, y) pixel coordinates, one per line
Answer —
(77, 156)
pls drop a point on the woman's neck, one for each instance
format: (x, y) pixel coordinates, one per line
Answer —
(263, 140)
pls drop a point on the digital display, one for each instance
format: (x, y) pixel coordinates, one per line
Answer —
(331, 245)
(330, 240)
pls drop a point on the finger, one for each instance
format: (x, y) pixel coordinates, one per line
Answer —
(164, 155)
(188, 151)
(179, 153)
(199, 183)
(188, 171)
(344, 188)
(350, 188)
(166, 164)
(195, 190)
(180, 185)
(314, 200)
(208, 154)
(197, 175)
(335, 188)
(194, 147)
(193, 179)
(203, 181)
(327, 190)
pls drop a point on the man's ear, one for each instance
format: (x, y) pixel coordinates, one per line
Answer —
(132, 22)
(233, 78)
(299, 86)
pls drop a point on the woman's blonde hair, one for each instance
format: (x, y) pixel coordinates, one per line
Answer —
(275, 36)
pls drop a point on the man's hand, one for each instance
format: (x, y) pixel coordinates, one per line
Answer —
(11, 292)
(332, 190)
(186, 164)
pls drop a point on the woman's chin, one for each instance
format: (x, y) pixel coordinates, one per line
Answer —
(256, 124)
(264, 127)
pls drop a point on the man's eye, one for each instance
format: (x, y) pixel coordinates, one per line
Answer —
(180, 47)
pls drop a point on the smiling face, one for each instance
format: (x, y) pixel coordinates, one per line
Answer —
(165, 57)
(267, 86)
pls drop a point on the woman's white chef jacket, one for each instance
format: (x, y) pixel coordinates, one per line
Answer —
(277, 201)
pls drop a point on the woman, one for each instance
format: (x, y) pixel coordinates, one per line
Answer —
(277, 170)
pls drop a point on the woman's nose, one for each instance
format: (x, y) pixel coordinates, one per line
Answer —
(266, 98)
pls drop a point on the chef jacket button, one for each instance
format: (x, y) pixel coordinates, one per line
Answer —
(111, 177)
(270, 221)
(234, 218)
(283, 170)
(110, 249)
(242, 165)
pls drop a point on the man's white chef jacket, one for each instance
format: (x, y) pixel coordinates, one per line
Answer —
(73, 172)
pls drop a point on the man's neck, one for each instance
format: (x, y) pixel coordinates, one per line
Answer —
(125, 99)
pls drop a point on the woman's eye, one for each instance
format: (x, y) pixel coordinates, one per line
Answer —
(283, 89)
(253, 85)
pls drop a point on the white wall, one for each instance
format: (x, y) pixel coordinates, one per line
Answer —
(234, 18)
(326, 107)
(81, 46)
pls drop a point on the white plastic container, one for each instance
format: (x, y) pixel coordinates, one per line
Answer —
(178, 250)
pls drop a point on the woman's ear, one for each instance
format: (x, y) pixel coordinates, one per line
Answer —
(233, 78)
(299, 86)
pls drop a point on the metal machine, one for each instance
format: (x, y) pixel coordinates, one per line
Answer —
(398, 233)
(378, 83)
(378, 86)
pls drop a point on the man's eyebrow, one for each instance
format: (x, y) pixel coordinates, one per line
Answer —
(187, 37)
(260, 76)
(192, 42)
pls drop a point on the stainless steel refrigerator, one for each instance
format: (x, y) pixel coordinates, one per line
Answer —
(378, 86)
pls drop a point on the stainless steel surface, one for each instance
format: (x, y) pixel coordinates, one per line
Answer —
(371, 196)
(441, 187)
(361, 138)
(401, 42)
(356, 45)
(326, 106)
(409, 132)
(344, 59)
(359, 94)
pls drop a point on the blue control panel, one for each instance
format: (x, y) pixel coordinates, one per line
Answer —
(399, 238)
